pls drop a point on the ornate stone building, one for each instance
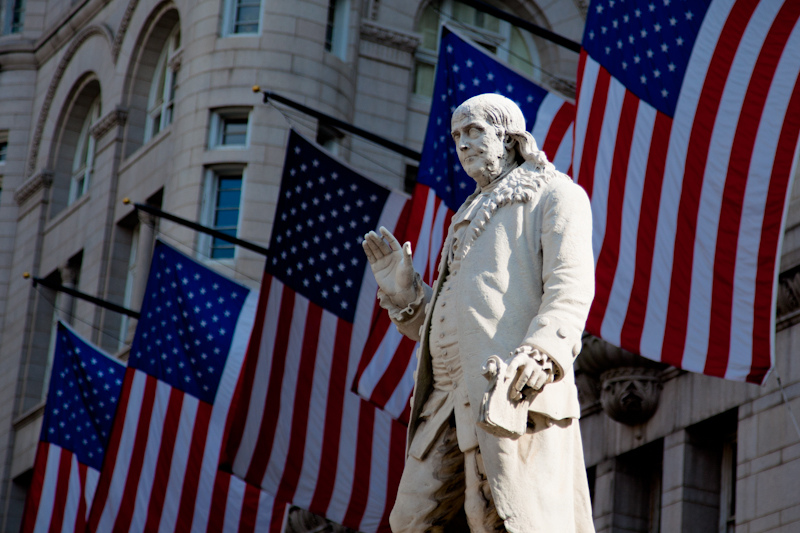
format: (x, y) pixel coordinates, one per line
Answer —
(151, 100)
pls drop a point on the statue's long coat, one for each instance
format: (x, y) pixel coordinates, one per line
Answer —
(526, 278)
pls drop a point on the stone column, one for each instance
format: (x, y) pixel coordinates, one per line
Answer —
(66, 302)
(144, 255)
(691, 484)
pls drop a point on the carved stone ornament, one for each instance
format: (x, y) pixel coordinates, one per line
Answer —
(406, 42)
(630, 394)
(117, 117)
(629, 385)
(41, 180)
(302, 521)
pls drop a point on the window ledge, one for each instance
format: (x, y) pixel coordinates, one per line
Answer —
(145, 149)
(67, 211)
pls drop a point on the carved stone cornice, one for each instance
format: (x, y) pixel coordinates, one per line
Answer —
(117, 117)
(788, 300)
(374, 32)
(40, 180)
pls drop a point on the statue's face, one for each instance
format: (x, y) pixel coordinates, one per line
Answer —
(481, 151)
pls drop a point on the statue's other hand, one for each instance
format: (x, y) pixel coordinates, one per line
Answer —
(392, 266)
(528, 367)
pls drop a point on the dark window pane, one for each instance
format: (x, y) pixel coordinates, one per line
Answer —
(234, 131)
(3, 151)
(227, 218)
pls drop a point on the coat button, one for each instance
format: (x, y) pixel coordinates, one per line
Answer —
(562, 333)
(543, 321)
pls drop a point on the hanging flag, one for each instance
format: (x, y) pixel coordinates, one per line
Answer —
(686, 132)
(301, 434)
(463, 70)
(161, 467)
(85, 387)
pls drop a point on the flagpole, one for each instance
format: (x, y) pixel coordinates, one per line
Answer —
(544, 33)
(80, 295)
(337, 123)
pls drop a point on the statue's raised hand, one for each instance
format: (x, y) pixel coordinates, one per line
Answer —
(391, 265)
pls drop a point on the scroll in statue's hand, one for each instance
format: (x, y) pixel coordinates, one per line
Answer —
(528, 367)
(391, 264)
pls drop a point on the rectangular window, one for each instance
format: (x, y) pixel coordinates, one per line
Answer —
(241, 17)
(229, 128)
(3, 147)
(223, 197)
(336, 28)
(13, 16)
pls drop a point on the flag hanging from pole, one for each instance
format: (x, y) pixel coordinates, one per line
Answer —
(84, 391)
(301, 434)
(161, 468)
(686, 133)
(464, 70)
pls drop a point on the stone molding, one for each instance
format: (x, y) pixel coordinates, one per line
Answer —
(41, 180)
(788, 298)
(116, 46)
(374, 32)
(55, 81)
(117, 117)
(630, 394)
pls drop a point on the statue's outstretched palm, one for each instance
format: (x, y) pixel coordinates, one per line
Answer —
(391, 264)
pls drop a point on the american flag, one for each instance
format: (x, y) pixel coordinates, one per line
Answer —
(161, 468)
(687, 124)
(85, 387)
(302, 435)
(463, 70)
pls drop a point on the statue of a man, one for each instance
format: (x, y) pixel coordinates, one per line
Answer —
(516, 281)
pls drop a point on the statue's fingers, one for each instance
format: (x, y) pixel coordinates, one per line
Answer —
(374, 242)
(407, 254)
(367, 250)
(538, 380)
(390, 239)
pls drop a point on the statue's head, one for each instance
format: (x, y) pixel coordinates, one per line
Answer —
(490, 136)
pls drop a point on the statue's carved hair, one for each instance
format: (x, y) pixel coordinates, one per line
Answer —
(505, 115)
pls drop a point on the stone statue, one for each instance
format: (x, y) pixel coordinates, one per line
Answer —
(515, 282)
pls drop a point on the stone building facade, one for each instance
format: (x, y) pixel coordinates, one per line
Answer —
(151, 100)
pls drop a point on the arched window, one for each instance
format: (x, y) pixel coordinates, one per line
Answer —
(161, 101)
(499, 37)
(73, 158)
(83, 160)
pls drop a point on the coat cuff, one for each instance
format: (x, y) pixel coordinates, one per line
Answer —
(561, 342)
(411, 310)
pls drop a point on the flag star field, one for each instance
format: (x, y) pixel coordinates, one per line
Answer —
(186, 333)
(324, 210)
(645, 45)
(84, 389)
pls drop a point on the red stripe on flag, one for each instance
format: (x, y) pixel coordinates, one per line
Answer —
(360, 492)
(696, 157)
(125, 514)
(194, 464)
(101, 494)
(770, 236)
(80, 519)
(733, 197)
(219, 500)
(164, 461)
(35, 490)
(397, 447)
(329, 457)
(62, 488)
(609, 253)
(565, 117)
(631, 333)
(302, 403)
(593, 128)
(241, 397)
(395, 372)
(269, 422)
(249, 516)
(581, 68)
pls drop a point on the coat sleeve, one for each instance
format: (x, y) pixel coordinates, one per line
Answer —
(409, 319)
(567, 274)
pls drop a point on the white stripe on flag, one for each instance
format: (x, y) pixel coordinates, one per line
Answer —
(634, 183)
(591, 70)
(180, 458)
(661, 272)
